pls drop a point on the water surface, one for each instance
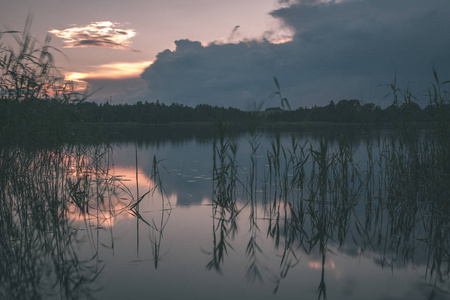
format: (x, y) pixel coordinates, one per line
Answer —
(263, 216)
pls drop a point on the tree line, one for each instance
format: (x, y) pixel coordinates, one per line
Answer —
(344, 111)
(43, 111)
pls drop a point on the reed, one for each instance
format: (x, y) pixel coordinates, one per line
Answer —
(34, 96)
(38, 242)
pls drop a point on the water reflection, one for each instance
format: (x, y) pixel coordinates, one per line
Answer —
(262, 213)
(39, 245)
(381, 208)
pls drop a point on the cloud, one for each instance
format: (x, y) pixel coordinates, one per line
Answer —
(114, 70)
(225, 73)
(337, 50)
(117, 91)
(97, 34)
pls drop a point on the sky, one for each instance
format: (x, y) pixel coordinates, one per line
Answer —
(227, 53)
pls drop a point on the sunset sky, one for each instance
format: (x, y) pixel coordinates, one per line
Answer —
(227, 52)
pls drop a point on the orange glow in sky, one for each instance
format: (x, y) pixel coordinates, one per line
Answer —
(282, 40)
(117, 70)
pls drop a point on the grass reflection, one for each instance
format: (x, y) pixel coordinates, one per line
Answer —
(157, 230)
(38, 240)
(225, 208)
(46, 197)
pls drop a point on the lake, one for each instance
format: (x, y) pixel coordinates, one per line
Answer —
(312, 213)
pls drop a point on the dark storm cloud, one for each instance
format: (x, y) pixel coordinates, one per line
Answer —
(195, 74)
(116, 91)
(340, 49)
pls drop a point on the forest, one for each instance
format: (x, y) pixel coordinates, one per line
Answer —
(345, 111)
